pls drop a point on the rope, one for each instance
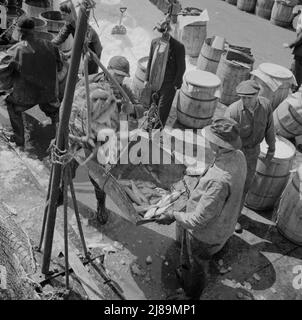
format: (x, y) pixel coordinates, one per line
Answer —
(62, 157)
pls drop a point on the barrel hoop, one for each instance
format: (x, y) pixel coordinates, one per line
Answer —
(265, 175)
(292, 114)
(283, 127)
(197, 118)
(195, 99)
(282, 21)
(263, 196)
(209, 58)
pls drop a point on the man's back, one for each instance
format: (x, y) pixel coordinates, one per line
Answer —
(35, 72)
(228, 174)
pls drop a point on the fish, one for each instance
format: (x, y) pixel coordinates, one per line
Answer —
(138, 192)
(132, 196)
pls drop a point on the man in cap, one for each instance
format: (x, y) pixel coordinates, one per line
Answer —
(213, 207)
(173, 64)
(119, 68)
(255, 118)
(36, 63)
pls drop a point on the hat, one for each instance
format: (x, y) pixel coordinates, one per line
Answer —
(26, 24)
(120, 65)
(224, 132)
(247, 88)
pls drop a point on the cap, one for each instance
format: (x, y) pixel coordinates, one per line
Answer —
(224, 132)
(120, 65)
(248, 88)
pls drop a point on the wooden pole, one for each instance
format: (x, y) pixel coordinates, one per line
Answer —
(62, 132)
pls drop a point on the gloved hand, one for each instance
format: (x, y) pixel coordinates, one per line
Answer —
(165, 218)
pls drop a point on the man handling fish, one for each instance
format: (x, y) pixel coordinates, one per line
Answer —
(212, 209)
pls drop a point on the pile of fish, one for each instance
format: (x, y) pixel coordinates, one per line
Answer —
(149, 200)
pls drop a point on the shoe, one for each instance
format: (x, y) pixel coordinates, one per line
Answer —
(102, 214)
(238, 228)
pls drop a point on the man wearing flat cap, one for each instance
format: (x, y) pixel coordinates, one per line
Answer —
(255, 118)
(36, 63)
(213, 207)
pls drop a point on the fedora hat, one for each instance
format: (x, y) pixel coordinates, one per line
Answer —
(224, 132)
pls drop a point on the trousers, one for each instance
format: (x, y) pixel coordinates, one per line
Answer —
(165, 100)
(251, 156)
(195, 257)
(15, 115)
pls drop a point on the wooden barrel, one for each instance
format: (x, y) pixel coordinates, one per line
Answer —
(34, 8)
(288, 117)
(264, 8)
(139, 77)
(197, 100)
(246, 5)
(234, 2)
(193, 36)
(233, 68)
(209, 57)
(270, 179)
(53, 19)
(289, 214)
(268, 72)
(282, 13)
(40, 26)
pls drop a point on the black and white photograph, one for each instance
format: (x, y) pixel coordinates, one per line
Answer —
(150, 153)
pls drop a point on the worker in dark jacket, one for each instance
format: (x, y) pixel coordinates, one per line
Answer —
(36, 63)
(175, 67)
(94, 42)
(297, 52)
(255, 117)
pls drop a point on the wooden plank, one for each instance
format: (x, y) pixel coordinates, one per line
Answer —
(88, 284)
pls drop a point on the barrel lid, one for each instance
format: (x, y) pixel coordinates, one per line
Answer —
(201, 78)
(275, 70)
(284, 149)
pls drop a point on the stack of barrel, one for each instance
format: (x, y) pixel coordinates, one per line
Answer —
(279, 12)
(48, 22)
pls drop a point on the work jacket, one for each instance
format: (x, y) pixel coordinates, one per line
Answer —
(94, 42)
(36, 63)
(213, 208)
(176, 64)
(254, 126)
